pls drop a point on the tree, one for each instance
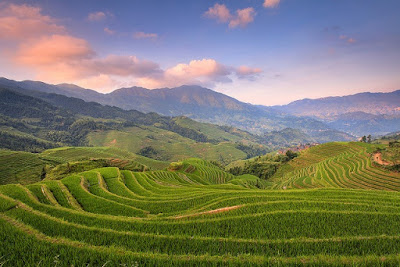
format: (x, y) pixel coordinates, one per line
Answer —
(364, 139)
(290, 154)
(369, 137)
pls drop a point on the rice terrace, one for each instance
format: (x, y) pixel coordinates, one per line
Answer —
(199, 133)
(193, 213)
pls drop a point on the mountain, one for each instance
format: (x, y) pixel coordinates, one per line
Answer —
(326, 108)
(360, 123)
(195, 102)
(359, 114)
(287, 137)
(36, 121)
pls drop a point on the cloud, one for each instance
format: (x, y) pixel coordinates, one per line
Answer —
(219, 12)
(222, 14)
(20, 22)
(203, 72)
(52, 49)
(206, 72)
(271, 3)
(58, 57)
(121, 66)
(243, 17)
(97, 16)
(143, 35)
(247, 72)
(109, 31)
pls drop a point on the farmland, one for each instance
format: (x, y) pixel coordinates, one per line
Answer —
(194, 213)
(337, 165)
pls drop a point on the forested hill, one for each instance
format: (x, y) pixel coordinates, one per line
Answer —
(40, 121)
(196, 102)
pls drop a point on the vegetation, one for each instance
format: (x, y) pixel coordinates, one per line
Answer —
(263, 167)
(128, 192)
(40, 121)
(336, 165)
(26, 168)
(196, 214)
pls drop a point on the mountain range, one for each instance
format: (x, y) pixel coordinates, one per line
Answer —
(195, 102)
(359, 114)
(322, 120)
(331, 107)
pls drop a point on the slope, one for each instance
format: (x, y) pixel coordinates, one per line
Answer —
(195, 102)
(39, 121)
(338, 165)
(190, 218)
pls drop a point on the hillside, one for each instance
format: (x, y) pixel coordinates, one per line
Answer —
(39, 121)
(195, 102)
(193, 216)
(26, 168)
(337, 165)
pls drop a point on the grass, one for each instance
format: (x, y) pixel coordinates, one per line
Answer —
(338, 165)
(170, 146)
(26, 168)
(199, 215)
(20, 167)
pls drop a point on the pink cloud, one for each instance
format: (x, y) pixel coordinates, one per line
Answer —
(222, 14)
(51, 49)
(97, 16)
(245, 71)
(219, 12)
(204, 72)
(243, 17)
(18, 22)
(109, 31)
(271, 3)
(143, 35)
(57, 57)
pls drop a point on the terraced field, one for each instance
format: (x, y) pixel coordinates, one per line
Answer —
(337, 165)
(196, 215)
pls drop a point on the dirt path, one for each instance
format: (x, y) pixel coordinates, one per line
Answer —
(113, 142)
(210, 211)
(378, 159)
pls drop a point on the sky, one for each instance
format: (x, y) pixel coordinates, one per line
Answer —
(268, 52)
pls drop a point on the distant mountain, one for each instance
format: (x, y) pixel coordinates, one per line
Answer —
(287, 137)
(359, 114)
(195, 102)
(360, 123)
(329, 107)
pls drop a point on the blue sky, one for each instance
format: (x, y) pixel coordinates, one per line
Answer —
(259, 51)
